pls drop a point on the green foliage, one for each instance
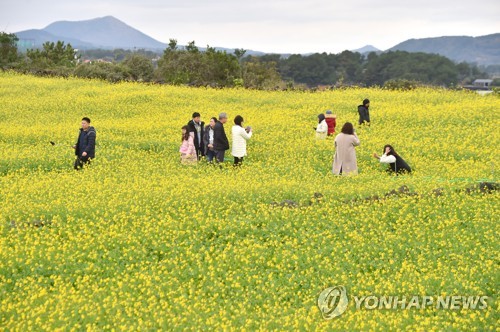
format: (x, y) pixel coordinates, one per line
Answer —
(140, 68)
(260, 75)
(401, 84)
(428, 68)
(322, 69)
(239, 53)
(190, 66)
(52, 56)
(8, 50)
(102, 70)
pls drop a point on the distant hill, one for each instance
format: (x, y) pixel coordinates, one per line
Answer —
(35, 38)
(100, 33)
(109, 33)
(106, 32)
(367, 49)
(484, 50)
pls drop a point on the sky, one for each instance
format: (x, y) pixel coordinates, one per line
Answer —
(272, 26)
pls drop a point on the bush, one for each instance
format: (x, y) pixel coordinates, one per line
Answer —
(401, 84)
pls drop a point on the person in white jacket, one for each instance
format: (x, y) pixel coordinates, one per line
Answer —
(322, 128)
(396, 164)
(240, 137)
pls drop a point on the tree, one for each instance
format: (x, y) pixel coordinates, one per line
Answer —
(139, 67)
(191, 47)
(239, 53)
(8, 49)
(52, 55)
(221, 69)
(260, 75)
(172, 45)
(102, 70)
(190, 66)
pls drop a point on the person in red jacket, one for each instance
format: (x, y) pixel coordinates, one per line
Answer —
(331, 121)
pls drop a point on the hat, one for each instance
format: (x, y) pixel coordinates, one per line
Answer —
(196, 114)
(329, 112)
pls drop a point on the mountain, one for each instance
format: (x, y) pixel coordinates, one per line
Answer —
(109, 33)
(484, 50)
(35, 38)
(105, 32)
(366, 49)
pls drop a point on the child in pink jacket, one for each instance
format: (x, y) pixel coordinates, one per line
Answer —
(187, 149)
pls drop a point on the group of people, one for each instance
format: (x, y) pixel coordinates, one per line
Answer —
(211, 142)
(326, 125)
(344, 161)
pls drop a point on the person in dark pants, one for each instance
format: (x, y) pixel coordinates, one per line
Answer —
(195, 129)
(396, 163)
(240, 137)
(208, 140)
(85, 145)
(221, 143)
(364, 112)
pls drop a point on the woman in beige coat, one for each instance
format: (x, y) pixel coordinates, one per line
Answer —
(344, 161)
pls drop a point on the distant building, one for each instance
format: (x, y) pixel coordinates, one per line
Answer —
(482, 83)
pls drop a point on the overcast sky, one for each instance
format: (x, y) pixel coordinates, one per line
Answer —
(280, 26)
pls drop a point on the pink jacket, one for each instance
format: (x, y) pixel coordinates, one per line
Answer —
(187, 147)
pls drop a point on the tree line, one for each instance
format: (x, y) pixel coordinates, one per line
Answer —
(190, 66)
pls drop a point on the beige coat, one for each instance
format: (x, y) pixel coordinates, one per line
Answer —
(345, 155)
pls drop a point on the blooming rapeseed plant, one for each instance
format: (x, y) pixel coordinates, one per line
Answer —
(139, 242)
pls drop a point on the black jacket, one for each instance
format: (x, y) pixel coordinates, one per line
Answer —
(192, 129)
(400, 166)
(86, 143)
(221, 142)
(364, 114)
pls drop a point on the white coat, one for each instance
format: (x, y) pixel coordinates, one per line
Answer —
(322, 130)
(240, 137)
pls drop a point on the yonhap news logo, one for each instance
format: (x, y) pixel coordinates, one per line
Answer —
(333, 302)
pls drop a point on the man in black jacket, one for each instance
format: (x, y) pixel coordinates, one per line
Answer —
(364, 113)
(195, 129)
(85, 145)
(221, 143)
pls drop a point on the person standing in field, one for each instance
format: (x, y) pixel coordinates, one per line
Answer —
(221, 143)
(344, 162)
(187, 149)
(396, 163)
(208, 139)
(195, 129)
(322, 128)
(364, 112)
(240, 138)
(85, 145)
(331, 121)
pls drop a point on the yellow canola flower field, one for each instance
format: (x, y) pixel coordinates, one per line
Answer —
(138, 241)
